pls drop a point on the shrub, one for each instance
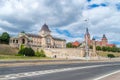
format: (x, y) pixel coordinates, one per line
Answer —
(40, 54)
(27, 52)
(37, 53)
(111, 55)
(22, 46)
(21, 52)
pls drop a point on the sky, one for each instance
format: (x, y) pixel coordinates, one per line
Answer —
(65, 18)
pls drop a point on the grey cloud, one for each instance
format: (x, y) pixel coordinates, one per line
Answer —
(62, 14)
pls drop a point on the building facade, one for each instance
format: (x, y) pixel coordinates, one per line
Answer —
(43, 39)
(101, 43)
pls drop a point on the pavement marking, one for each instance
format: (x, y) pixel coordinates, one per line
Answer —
(36, 73)
(104, 76)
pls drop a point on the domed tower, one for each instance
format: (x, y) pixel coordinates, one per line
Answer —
(104, 40)
(44, 31)
(87, 36)
(45, 34)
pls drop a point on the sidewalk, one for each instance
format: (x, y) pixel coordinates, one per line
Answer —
(15, 63)
(115, 76)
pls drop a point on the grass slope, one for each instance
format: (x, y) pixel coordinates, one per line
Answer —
(7, 50)
(104, 54)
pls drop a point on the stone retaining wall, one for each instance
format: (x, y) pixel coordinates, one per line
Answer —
(65, 53)
(77, 53)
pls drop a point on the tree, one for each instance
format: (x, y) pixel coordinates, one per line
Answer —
(98, 48)
(110, 55)
(27, 52)
(109, 49)
(118, 49)
(5, 38)
(69, 45)
(91, 47)
(104, 48)
(0, 40)
(114, 49)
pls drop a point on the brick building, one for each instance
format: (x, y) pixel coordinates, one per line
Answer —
(101, 43)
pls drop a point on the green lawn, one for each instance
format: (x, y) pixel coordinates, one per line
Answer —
(13, 57)
(104, 54)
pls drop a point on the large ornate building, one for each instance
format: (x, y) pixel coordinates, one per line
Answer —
(43, 39)
(101, 43)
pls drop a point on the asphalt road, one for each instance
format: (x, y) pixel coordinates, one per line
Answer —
(77, 74)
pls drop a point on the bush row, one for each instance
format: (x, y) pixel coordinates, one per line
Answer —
(109, 49)
(24, 51)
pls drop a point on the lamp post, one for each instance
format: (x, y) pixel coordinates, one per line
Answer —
(86, 44)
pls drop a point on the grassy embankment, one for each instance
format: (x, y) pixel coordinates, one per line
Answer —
(104, 54)
(7, 52)
(14, 57)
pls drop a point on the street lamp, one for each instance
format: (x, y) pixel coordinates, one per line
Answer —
(86, 43)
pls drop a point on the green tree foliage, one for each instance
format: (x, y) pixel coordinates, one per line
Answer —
(22, 46)
(0, 40)
(114, 49)
(118, 49)
(40, 54)
(5, 37)
(104, 48)
(98, 48)
(109, 49)
(27, 52)
(111, 55)
(91, 47)
(69, 45)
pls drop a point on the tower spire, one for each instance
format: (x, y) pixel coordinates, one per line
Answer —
(87, 31)
(87, 36)
(104, 36)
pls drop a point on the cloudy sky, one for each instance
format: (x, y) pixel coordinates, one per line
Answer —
(65, 18)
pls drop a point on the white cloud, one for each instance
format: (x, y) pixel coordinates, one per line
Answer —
(17, 15)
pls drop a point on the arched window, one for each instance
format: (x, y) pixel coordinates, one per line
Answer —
(13, 41)
(23, 41)
(16, 41)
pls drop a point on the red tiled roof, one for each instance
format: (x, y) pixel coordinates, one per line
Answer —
(76, 43)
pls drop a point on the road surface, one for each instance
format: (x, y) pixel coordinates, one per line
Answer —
(74, 71)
